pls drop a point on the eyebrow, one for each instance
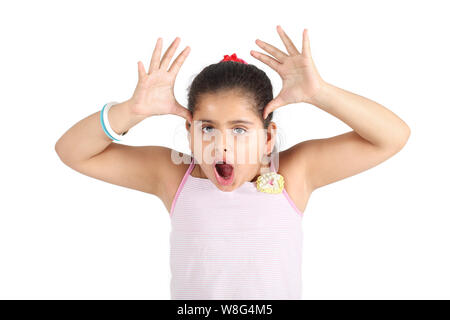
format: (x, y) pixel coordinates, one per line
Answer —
(229, 122)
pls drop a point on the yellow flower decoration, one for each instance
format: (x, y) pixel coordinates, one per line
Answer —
(270, 182)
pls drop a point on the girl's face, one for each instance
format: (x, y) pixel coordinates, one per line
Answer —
(226, 128)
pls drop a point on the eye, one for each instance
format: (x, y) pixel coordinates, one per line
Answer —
(242, 130)
(206, 127)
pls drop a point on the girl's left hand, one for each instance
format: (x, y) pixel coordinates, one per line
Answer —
(301, 80)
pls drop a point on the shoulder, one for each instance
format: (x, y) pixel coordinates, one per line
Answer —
(292, 166)
(172, 173)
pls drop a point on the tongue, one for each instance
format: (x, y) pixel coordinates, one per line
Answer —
(224, 170)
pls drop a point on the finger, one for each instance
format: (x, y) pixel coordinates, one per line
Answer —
(272, 106)
(278, 54)
(271, 62)
(267, 111)
(306, 50)
(141, 70)
(176, 65)
(169, 54)
(156, 56)
(183, 112)
(287, 41)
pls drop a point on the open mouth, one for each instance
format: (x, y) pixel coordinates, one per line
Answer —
(224, 172)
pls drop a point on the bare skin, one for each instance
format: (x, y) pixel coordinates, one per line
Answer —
(300, 195)
(376, 136)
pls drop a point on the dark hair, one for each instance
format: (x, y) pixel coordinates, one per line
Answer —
(246, 79)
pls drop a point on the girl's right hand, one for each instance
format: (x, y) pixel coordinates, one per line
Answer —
(154, 93)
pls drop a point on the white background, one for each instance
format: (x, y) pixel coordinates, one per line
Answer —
(383, 234)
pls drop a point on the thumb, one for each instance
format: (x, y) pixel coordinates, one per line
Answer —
(271, 106)
(141, 70)
(183, 112)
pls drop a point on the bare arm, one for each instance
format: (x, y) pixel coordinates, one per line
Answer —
(86, 138)
(87, 149)
(378, 134)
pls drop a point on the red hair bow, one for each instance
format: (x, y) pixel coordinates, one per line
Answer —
(233, 57)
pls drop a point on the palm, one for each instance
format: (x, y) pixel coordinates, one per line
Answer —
(301, 80)
(154, 93)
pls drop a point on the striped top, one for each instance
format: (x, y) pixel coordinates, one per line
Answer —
(243, 244)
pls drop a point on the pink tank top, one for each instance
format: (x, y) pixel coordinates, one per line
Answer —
(243, 244)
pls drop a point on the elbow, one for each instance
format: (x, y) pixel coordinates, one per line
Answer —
(406, 134)
(60, 154)
(58, 149)
(402, 138)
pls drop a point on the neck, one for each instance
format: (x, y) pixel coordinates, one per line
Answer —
(263, 169)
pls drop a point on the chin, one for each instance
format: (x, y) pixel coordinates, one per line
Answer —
(226, 187)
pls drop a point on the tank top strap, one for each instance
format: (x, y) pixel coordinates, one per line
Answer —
(191, 166)
(288, 197)
(183, 181)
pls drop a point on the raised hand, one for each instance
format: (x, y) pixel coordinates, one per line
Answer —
(301, 80)
(154, 93)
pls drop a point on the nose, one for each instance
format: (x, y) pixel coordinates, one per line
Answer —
(222, 143)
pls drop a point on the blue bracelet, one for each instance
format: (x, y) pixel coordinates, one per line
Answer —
(103, 125)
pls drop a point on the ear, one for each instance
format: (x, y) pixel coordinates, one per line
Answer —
(271, 137)
(188, 129)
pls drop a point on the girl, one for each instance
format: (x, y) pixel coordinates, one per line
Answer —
(236, 204)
